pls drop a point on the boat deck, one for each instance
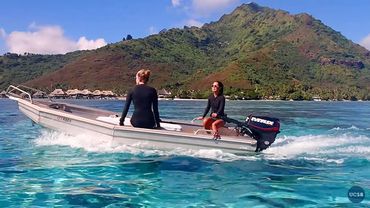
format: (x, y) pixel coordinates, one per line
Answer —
(113, 118)
(75, 119)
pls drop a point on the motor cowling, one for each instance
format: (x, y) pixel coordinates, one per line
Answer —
(264, 129)
(261, 128)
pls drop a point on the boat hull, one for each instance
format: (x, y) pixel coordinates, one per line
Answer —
(72, 124)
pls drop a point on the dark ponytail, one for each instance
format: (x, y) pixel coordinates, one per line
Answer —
(221, 88)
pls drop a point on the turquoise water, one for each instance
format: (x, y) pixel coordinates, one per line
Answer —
(322, 151)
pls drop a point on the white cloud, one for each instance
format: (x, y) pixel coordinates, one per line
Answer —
(199, 9)
(85, 44)
(152, 30)
(47, 40)
(366, 42)
(193, 22)
(2, 33)
(206, 7)
(175, 3)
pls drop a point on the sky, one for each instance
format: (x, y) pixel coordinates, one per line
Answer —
(58, 27)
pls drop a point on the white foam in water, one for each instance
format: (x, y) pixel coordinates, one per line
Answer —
(212, 154)
(89, 143)
(93, 144)
(360, 150)
(320, 148)
(80, 141)
(324, 148)
(343, 129)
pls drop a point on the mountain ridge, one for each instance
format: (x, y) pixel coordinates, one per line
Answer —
(256, 51)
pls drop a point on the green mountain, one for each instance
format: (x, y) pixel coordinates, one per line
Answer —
(16, 69)
(256, 51)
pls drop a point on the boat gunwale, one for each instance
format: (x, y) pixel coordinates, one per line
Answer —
(241, 140)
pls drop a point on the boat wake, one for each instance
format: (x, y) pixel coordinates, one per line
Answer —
(345, 129)
(318, 148)
(101, 145)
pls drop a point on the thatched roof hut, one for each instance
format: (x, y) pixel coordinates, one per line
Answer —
(76, 93)
(108, 93)
(163, 93)
(86, 92)
(97, 93)
(57, 93)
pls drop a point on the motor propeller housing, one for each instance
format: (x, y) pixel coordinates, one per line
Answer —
(261, 128)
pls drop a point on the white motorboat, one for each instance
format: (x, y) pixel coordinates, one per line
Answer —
(237, 137)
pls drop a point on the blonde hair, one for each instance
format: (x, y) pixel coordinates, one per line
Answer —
(143, 75)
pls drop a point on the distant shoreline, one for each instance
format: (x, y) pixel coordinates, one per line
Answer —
(199, 99)
(189, 99)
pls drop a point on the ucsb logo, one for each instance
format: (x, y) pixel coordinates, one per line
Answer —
(260, 120)
(356, 194)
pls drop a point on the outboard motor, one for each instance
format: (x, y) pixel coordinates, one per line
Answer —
(261, 128)
(264, 130)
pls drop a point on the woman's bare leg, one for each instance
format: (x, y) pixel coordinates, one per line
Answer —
(217, 124)
(207, 123)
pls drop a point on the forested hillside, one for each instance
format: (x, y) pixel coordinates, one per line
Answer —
(256, 51)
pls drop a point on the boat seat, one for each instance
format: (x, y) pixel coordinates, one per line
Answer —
(59, 106)
(114, 119)
(198, 131)
(224, 131)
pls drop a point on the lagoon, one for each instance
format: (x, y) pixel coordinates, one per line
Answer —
(322, 151)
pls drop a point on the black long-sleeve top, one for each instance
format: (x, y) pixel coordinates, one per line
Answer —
(145, 101)
(216, 104)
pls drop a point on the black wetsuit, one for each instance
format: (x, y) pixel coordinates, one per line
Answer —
(217, 105)
(144, 98)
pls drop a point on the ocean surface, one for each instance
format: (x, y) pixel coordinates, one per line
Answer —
(322, 151)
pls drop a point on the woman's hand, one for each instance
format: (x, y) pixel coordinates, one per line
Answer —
(200, 118)
(214, 115)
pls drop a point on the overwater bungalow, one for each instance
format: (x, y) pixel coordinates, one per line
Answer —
(163, 93)
(108, 94)
(81, 94)
(76, 93)
(87, 94)
(57, 93)
(97, 94)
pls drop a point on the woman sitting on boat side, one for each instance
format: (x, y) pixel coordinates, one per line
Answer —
(145, 101)
(216, 102)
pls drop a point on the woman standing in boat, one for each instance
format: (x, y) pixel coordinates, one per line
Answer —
(145, 101)
(216, 102)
